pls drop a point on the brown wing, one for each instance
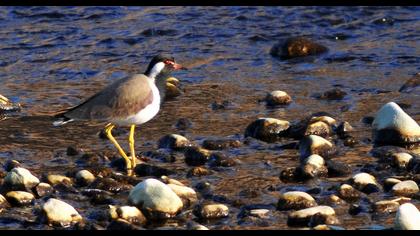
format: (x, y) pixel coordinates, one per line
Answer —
(120, 99)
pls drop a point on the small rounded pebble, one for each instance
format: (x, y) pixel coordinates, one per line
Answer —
(401, 159)
(198, 171)
(191, 225)
(43, 189)
(156, 199)
(128, 213)
(211, 211)
(365, 183)
(386, 206)
(267, 129)
(278, 97)
(319, 128)
(20, 178)
(20, 198)
(185, 193)
(407, 217)
(57, 179)
(314, 144)
(405, 188)
(172, 91)
(84, 177)
(60, 213)
(174, 141)
(314, 166)
(347, 192)
(295, 200)
(304, 216)
(195, 156)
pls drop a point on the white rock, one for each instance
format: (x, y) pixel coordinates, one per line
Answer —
(327, 119)
(304, 213)
(211, 211)
(401, 159)
(391, 116)
(57, 179)
(315, 160)
(278, 97)
(314, 144)
(405, 188)
(305, 216)
(154, 196)
(85, 177)
(21, 177)
(20, 198)
(184, 192)
(173, 141)
(128, 213)
(363, 179)
(407, 217)
(60, 213)
(295, 200)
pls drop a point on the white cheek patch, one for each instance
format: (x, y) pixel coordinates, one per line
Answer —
(157, 69)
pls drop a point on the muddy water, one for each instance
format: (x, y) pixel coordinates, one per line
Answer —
(52, 58)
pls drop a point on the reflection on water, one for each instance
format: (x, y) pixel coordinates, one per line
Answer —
(54, 57)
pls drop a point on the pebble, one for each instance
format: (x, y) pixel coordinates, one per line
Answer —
(347, 192)
(405, 188)
(278, 97)
(10, 164)
(109, 184)
(314, 166)
(267, 129)
(174, 141)
(393, 126)
(84, 177)
(165, 179)
(211, 211)
(319, 128)
(314, 144)
(343, 129)
(196, 156)
(20, 198)
(156, 199)
(365, 183)
(312, 216)
(295, 200)
(386, 206)
(57, 179)
(128, 213)
(198, 171)
(296, 47)
(220, 159)
(43, 189)
(150, 170)
(401, 159)
(390, 182)
(188, 195)
(338, 169)
(407, 217)
(183, 124)
(60, 213)
(20, 178)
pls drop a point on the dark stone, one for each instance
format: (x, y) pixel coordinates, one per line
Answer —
(102, 198)
(321, 219)
(350, 141)
(355, 209)
(195, 156)
(220, 159)
(349, 194)
(290, 174)
(10, 164)
(296, 47)
(225, 104)
(368, 120)
(72, 151)
(42, 190)
(393, 137)
(266, 131)
(337, 169)
(370, 188)
(343, 129)
(149, 170)
(109, 185)
(220, 144)
(198, 171)
(171, 142)
(161, 155)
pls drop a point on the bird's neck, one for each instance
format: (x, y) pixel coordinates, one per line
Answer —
(160, 82)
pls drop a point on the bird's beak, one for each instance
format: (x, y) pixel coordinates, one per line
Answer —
(177, 66)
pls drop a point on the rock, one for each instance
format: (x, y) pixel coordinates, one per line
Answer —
(296, 47)
(128, 213)
(401, 159)
(314, 166)
(347, 192)
(195, 156)
(390, 182)
(337, 169)
(20, 198)
(267, 129)
(60, 213)
(211, 211)
(343, 129)
(7, 106)
(411, 84)
(365, 183)
(149, 170)
(84, 177)
(405, 188)
(109, 184)
(319, 128)
(386, 206)
(322, 117)
(393, 126)
(198, 171)
(305, 216)
(188, 195)
(165, 179)
(314, 144)
(291, 174)
(172, 91)
(43, 189)
(333, 94)
(20, 178)
(407, 217)
(174, 141)
(295, 200)
(57, 179)
(155, 199)
(277, 97)
(220, 159)
(191, 225)
(220, 144)
(10, 164)
(72, 151)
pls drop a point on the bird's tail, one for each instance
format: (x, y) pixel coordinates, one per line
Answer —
(61, 118)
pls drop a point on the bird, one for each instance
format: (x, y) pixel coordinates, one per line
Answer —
(130, 101)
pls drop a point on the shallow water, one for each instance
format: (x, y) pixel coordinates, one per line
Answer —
(52, 58)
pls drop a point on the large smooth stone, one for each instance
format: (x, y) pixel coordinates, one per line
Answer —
(20, 178)
(156, 199)
(407, 217)
(304, 216)
(405, 188)
(20, 198)
(314, 144)
(365, 182)
(128, 213)
(314, 166)
(295, 200)
(60, 213)
(211, 211)
(267, 129)
(393, 126)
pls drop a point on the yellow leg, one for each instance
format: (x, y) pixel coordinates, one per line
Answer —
(131, 143)
(108, 129)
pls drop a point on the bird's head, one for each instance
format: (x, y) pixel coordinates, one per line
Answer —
(162, 65)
